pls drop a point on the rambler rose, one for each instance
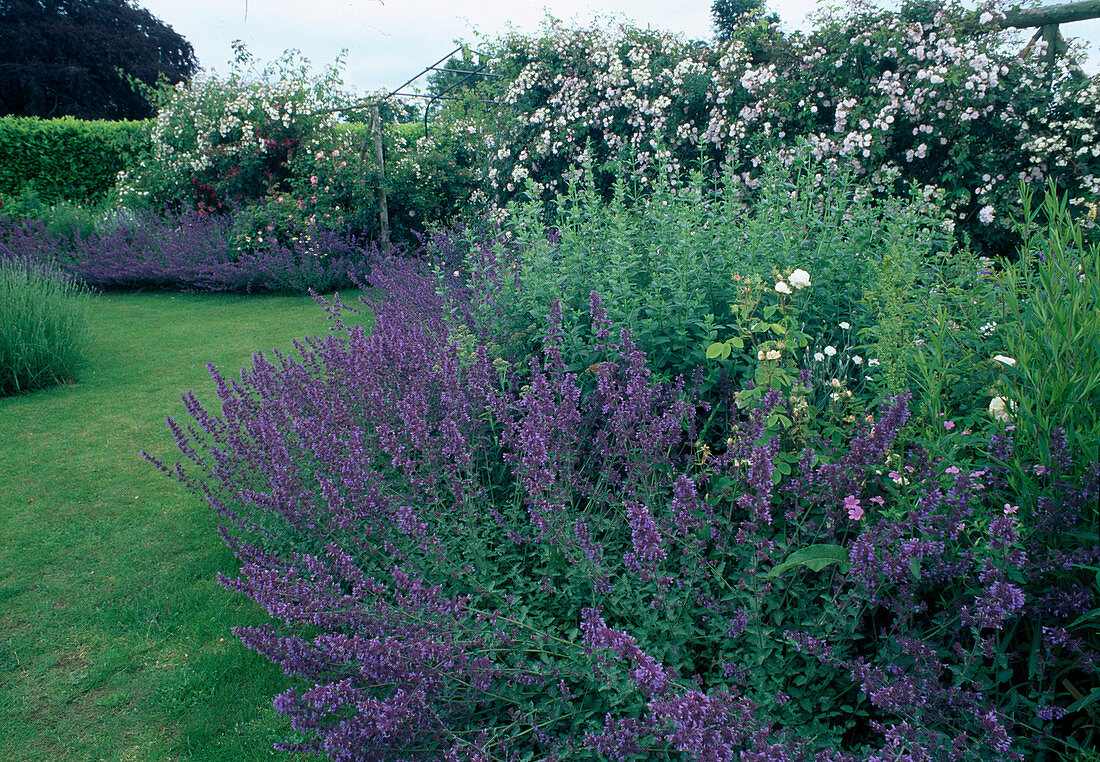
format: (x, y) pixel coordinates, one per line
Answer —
(1002, 409)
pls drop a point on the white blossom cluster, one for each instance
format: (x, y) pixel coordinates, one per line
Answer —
(213, 125)
(900, 99)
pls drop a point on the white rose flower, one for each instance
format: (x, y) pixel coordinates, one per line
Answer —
(845, 325)
(1005, 360)
(782, 288)
(818, 357)
(800, 279)
(1001, 409)
(773, 354)
(830, 350)
(857, 359)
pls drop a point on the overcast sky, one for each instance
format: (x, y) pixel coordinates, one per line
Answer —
(389, 42)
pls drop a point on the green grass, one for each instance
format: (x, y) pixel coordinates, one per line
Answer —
(114, 636)
(43, 328)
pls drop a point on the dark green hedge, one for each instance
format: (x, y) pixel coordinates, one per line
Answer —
(66, 158)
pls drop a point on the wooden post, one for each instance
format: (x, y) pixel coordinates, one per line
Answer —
(383, 209)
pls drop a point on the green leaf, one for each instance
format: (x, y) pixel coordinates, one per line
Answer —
(1084, 701)
(814, 557)
(1085, 617)
(718, 349)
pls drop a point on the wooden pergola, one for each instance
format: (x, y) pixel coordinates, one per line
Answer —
(1047, 19)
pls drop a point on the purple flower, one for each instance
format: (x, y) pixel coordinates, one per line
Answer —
(646, 538)
(1000, 601)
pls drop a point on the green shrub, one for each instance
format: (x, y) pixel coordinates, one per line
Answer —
(434, 178)
(1050, 372)
(66, 158)
(222, 142)
(672, 263)
(65, 220)
(43, 327)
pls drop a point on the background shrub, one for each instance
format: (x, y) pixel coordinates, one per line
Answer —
(928, 94)
(43, 326)
(686, 264)
(67, 159)
(191, 252)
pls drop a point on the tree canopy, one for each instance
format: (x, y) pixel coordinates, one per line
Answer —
(78, 58)
(726, 15)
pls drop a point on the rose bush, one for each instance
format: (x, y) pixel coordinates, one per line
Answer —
(931, 94)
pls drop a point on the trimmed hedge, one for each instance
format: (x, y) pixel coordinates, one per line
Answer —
(67, 158)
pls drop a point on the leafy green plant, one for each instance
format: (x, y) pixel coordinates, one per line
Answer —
(43, 327)
(1051, 367)
(672, 263)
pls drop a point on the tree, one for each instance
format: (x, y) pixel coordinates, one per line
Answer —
(80, 57)
(726, 15)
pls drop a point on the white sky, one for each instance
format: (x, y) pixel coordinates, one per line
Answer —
(389, 42)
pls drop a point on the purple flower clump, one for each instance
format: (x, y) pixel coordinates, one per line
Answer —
(442, 535)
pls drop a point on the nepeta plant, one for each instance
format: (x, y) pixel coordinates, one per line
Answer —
(193, 252)
(462, 562)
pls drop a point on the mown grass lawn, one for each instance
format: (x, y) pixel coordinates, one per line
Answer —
(114, 636)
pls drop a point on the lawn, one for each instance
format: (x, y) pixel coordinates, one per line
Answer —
(114, 636)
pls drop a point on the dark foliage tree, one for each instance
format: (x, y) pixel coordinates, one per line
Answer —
(78, 57)
(454, 76)
(726, 15)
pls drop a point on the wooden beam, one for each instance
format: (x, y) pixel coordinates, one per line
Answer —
(1049, 15)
